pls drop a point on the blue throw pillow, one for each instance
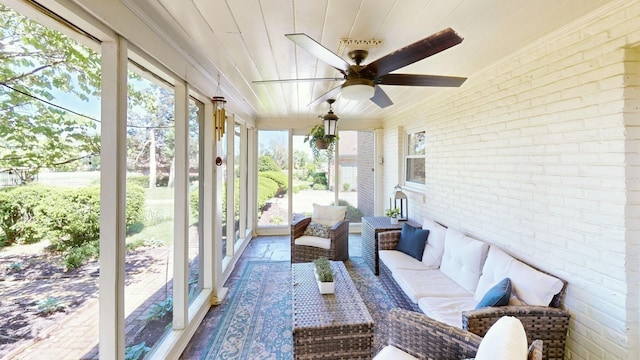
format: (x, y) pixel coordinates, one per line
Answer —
(412, 241)
(498, 295)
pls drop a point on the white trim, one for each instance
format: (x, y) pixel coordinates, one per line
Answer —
(113, 199)
(181, 207)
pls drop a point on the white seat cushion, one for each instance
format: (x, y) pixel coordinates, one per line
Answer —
(463, 259)
(395, 259)
(328, 215)
(432, 256)
(447, 310)
(417, 284)
(313, 241)
(391, 352)
(505, 340)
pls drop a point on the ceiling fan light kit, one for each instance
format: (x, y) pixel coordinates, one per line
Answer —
(362, 81)
(357, 89)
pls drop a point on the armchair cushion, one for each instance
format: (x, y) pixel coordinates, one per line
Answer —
(391, 352)
(319, 230)
(505, 340)
(412, 241)
(328, 215)
(319, 242)
(498, 295)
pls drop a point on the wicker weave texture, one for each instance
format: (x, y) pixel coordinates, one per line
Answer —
(339, 250)
(425, 338)
(371, 227)
(333, 326)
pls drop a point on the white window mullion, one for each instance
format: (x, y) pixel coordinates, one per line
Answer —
(113, 160)
(181, 208)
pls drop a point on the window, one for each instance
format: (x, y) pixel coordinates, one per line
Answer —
(415, 158)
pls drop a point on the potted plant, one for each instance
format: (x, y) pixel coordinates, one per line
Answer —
(393, 214)
(324, 275)
(318, 141)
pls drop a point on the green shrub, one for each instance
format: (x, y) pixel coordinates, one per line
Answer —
(280, 178)
(267, 189)
(135, 352)
(354, 215)
(75, 257)
(266, 163)
(49, 306)
(346, 187)
(320, 178)
(20, 208)
(319, 187)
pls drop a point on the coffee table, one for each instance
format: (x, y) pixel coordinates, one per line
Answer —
(331, 326)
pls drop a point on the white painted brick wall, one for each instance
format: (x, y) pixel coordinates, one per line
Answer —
(540, 155)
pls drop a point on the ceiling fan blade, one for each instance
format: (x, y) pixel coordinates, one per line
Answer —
(381, 98)
(319, 51)
(420, 80)
(297, 80)
(415, 52)
(326, 96)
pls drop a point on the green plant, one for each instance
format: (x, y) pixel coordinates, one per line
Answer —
(317, 133)
(16, 266)
(346, 186)
(160, 309)
(392, 213)
(135, 352)
(49, 306)
(323, 269)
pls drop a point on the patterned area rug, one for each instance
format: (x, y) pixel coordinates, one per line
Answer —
(257, 323)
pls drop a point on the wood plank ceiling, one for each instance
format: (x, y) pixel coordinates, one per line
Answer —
(244, 40)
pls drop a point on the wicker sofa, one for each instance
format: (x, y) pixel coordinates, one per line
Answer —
(422, 337)
(447, 288)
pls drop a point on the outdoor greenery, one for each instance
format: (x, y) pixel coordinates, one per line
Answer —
(392, 213)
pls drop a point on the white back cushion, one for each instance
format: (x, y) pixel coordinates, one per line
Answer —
(328, 215)
(495, 268)
(531, 286)
(432, 255)
(463, 259)
(505, 340)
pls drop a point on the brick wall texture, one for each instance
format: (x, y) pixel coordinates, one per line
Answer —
(540, 155)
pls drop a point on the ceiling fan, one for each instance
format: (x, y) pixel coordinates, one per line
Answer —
(361, 81)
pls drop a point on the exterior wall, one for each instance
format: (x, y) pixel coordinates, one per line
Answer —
(366, 175)
(539, 155)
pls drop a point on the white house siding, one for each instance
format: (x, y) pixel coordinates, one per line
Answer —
(540, 155)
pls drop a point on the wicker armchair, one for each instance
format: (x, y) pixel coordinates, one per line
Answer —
(425, 338)
(339, 235)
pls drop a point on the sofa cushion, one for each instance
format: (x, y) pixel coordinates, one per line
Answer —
(432, 256)
(498, 295)
(391, 352)
(314, 241)
(412, 241)
(447, 309)
(319, 230)
(463, 259)
(417, 284)
(531, 286)
(328, 215)
(505, 340)
(394, 259)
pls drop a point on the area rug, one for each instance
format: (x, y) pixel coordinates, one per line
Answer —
(257, 321)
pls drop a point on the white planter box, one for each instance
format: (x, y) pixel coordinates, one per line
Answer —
(324, 287)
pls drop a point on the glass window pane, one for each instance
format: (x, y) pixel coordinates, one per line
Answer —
(236, 183)
(196, 240)
(416, 170)
(273, 179)
(416, 143)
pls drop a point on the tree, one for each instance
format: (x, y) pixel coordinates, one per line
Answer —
(35, 62)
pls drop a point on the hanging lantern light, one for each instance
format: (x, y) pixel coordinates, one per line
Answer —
(219, 116)
(400, 201)
(330, 121)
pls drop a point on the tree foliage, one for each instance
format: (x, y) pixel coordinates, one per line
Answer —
(36, 63)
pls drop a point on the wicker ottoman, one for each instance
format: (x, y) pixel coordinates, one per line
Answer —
(334, 326)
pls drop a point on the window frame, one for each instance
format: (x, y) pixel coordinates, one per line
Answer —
(408, 156)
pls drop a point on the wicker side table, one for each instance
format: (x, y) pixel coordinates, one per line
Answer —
(333, 326)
